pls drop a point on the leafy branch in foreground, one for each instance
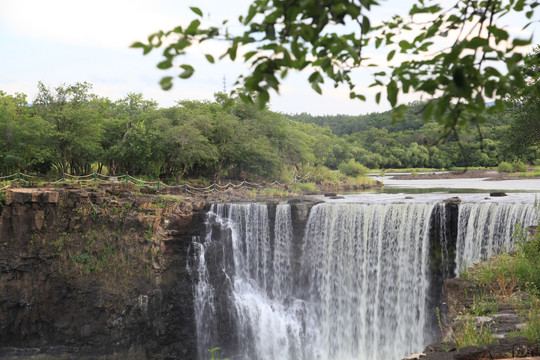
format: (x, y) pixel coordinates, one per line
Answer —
(454, 54)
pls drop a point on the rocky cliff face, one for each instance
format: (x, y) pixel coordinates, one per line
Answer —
(96, 273)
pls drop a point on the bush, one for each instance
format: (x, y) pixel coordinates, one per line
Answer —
(518, 166)
(304, 186)
(504, 167)
(353, 168)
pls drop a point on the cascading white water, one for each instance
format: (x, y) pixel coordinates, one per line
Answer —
(354, 288)
(365, 266)
(485, 229)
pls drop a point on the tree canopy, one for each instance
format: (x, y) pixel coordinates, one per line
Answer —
(479, 59)
(69, 128)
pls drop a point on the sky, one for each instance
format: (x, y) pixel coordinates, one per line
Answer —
(67, 41)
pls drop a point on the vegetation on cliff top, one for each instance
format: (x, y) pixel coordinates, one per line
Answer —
(71, 129)
(511, 279)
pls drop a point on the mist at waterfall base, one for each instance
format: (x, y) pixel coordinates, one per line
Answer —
(358, 283)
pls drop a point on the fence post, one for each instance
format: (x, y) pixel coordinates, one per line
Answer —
(185, 187)
(126, 177)
(215, 185)
(158, 184)
(95, 176)
(18, 175)
(63, 176)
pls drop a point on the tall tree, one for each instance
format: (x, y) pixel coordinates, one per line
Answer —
(24, 136)
(523, 137)
(75, 143)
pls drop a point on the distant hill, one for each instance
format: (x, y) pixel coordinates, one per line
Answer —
(350, 124)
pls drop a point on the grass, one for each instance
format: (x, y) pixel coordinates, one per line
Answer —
(405, 170)
(468, 333)
(505, 276)
(527, 174)
(299, 187)
(214, 355)
(532, 329)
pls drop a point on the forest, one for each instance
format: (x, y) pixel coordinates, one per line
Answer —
(72, 129)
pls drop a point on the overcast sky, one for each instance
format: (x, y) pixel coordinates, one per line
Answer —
(67, 41)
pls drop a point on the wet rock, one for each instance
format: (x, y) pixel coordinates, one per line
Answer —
(330, 194)
(452, 200)
(497, 194)
(301, 206)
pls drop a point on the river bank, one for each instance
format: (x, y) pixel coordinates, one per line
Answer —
(492, 310)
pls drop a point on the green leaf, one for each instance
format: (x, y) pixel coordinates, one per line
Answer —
(192, 28)
(521, 42)
(390, 55)
(262, 99)
(196, 10)
(232, 51)
(405, 45)
(165, 64)
(138, 44)
(476, 42)
(188, 71)
(245, 98)
(315, 86)
(392, 92)
(366, 26)
(250, 54)
(428, 110)
(251, 13)
(378, 98)
(498, 33)
(166, 83)
(270, 32)
(210, 58)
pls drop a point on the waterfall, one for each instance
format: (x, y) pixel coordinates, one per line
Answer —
(361, 283)
(354, 287)
(486, 229)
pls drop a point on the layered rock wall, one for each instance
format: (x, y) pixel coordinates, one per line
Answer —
(96, 273)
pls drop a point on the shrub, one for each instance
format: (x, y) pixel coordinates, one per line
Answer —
(518, 166)
(467, 333)
(504, 167)
(353, 168)
(304, 186)
(532, 330)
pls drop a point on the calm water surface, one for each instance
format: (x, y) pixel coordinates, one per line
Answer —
(476, 185)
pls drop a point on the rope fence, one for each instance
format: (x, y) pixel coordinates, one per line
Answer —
(20, 177)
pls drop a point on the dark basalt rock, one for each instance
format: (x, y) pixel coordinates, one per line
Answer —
(54, 306)
(453, 200)
(497, 194)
